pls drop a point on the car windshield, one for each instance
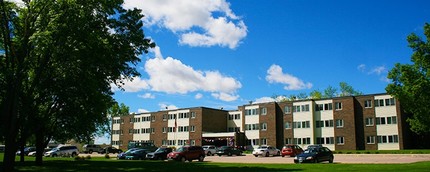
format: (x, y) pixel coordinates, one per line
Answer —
(262, 147)
(181, 149)
(160, 150)
(224, 147)
(55, 149)
(310, 150)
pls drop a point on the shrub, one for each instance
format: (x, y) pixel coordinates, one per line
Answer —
(107, 156)
(88, 157)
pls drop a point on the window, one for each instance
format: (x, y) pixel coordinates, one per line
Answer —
(380, 120)
(390, 102)
(230, 117)
(368, 103)
(288, 141)
(319, 124)
(297, 125)
(193, 142)
(287, 110)
(192, 128)
(370, 139)
(392, 120)
(297, 141)
(296, 108)
(263, 111)
(287, 125)
(338, 106)
(329, 123)
(329, 140)
(339, 123)
(328, 106)
(369, 121)
(193, 114)
(319, 107)
(263, 141)
(340, 140)
(153, 118)
(379, 102)
(264, 126)
(320, 140)
(305, 108)
(306, 140)
(236, 116)
(164, 117)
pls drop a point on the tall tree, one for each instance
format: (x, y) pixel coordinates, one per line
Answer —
(329, 92)
(316, 94)
(347, 90)
(411, 83)
(59, 60)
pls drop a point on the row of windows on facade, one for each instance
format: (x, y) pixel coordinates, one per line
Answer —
(152, 130)
(191, 142)
(263, 126)
(152, 117)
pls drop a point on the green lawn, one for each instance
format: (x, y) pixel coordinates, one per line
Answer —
(107, 165)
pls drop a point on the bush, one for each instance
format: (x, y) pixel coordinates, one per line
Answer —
(79, 158)
(107, 156)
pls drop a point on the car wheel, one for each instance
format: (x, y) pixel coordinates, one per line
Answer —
(256, 155)
(90, 152)
(201, 158)
(267, 154)
(239, 154)
(229, 154)
(73, 154)
(183, 159)
(331, 159)
(209, 153)
(279, 153)
(316, 160)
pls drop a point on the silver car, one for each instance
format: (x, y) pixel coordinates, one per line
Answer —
(266, 151)
(210, 149)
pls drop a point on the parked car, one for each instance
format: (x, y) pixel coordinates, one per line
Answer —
(189, 153)
(291, 150)
(110, 149)
(209, 149)
(314, 155)
(34, 152)
(63, 151)
(228, 150)
(91, 148)
(136, 154)
(266, 150)
(26, 150)
(159, 154)
(123, 154)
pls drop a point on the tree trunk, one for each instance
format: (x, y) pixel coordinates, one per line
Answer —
(40, 146)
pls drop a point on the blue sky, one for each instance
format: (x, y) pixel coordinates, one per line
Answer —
(219, 53)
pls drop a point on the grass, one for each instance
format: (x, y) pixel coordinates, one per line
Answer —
(102, 164)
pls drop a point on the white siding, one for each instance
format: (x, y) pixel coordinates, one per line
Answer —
(304, 116)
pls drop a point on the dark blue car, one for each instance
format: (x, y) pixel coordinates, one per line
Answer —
(315, 154)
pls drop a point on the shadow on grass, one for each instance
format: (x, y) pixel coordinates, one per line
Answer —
(152, 166)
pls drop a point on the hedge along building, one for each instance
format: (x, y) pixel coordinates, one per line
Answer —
(368, 122)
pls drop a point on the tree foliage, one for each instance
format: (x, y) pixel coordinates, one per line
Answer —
(59, 60)
(411, 82)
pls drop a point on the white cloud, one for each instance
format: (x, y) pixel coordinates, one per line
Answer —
(269, 99)
(164, 106)
(216, 23)
(142, 111)
(146, 96)
(225, 96)
(134, 85)
(264, 100)
(361, 67)
(172, 76)
(198, 96)
(157, 52)
(275, 75)
(378, 70)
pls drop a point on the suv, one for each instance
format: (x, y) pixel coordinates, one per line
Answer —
(63, 151)
(210, 149)
(187, 153)
(291, 150)
(91, 148)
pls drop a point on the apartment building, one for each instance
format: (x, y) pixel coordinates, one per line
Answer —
(367, 122)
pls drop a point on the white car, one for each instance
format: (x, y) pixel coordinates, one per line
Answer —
(266, 151)
(210, 149)
(63, 151)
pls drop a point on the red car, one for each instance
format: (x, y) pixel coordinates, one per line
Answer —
(291, 150)
(187, 153)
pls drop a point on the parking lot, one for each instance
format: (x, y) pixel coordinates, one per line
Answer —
(338, 158)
